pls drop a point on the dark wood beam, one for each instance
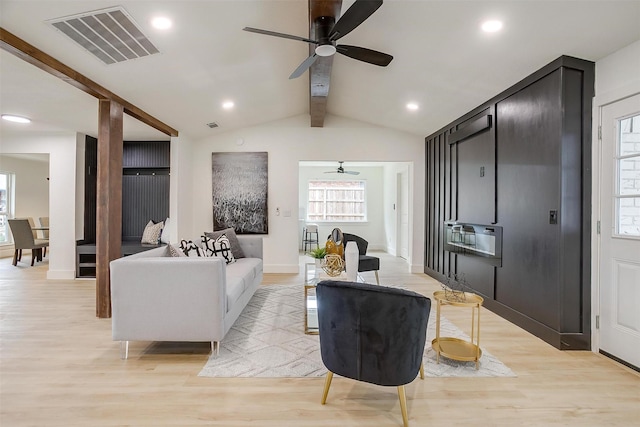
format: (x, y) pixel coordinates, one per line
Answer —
(320, 71)
(35, 56)
(109, 200)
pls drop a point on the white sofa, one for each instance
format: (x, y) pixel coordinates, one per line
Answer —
(157, 297)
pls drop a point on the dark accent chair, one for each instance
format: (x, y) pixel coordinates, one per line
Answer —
(366, 262)
(372, 333)
(23, 239)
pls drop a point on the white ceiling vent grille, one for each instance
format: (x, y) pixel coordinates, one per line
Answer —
(109, 34)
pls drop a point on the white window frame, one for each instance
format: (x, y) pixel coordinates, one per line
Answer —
(618, 196)
(7, 211)
(325, 202)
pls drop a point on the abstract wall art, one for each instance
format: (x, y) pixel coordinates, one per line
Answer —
(239, 191)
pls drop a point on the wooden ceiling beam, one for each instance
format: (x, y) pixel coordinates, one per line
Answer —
(320, 71)
(31, 54)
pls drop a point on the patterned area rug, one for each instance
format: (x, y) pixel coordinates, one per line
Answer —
(268, 340)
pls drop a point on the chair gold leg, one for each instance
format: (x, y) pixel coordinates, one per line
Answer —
(422, 371)
(377, 278)
(403, 405)
(327, 384)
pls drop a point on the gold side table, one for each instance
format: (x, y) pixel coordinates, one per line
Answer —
(456, 348)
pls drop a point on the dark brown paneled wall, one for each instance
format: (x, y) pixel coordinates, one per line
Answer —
(145, 186)
(522, 161)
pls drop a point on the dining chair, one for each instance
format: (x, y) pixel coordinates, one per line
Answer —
(32, 224)
(44, 222)
(23, 239)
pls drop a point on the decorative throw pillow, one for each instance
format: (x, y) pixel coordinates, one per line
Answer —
(164, 237)
(175, 252)
(219, 247)
(190, 249)
(151, 233)
(236, 249)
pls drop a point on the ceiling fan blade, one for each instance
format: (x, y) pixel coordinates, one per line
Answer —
(303, 67)
(354, 16)
(352, 172)
(275, 34)
(364, 54)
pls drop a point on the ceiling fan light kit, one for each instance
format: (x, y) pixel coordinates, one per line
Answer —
(328, 33)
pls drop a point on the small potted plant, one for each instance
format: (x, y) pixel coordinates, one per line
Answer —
(318, 253)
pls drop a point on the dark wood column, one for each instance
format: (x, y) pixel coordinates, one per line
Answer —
(109, 200)
(320, 71)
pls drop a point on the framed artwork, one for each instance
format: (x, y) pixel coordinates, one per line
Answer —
(239, 191)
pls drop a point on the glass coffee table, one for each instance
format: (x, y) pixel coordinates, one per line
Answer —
(312, 276)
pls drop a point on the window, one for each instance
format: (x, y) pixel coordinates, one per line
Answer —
(343, 201)
(6, 206)
(627, 195)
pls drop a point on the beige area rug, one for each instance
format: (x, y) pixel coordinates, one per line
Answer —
(268, 341)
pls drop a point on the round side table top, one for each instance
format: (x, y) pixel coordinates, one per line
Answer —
(470, 299)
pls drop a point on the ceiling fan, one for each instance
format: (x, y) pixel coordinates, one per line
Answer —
(329, 31)
(341, 170)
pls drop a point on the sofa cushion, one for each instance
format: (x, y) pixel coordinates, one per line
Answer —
(219, 247)
(151, 233)
(236, 249)
(189, 248)
(247, 268)
(175, 251)
(235, 289)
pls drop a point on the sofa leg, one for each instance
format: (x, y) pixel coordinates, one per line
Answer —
(215, 348)
(124, 350)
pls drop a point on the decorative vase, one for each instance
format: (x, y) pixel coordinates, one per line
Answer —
(351, 257)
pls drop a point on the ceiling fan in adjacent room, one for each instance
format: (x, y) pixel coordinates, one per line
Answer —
(341, 170)
(328, 31)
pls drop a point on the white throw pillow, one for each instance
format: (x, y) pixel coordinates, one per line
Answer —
(219, 247)
(189, 248)
(164, 237)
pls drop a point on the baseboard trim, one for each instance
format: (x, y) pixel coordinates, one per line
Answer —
(61, 275)
(282, 268)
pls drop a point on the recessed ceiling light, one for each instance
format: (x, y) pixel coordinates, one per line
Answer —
(412, 106)
(161, 23)
(227, 105)
(491, 26)
(16, 119)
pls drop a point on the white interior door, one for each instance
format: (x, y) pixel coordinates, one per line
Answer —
(619, 281)
(403, 215)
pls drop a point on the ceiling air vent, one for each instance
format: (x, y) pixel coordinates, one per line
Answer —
(109, 34)
(212, 125)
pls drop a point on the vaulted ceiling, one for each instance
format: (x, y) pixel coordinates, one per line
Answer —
(442, 60)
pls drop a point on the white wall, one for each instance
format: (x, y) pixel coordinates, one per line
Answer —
(617, 77)
(373, 229)
(31, 185)
(62, 174)
(290, 141)
(390, 203)
(180, 189)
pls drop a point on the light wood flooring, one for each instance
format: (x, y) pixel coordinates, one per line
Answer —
(59, 367)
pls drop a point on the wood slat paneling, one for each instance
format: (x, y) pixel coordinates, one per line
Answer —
(144, 198)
